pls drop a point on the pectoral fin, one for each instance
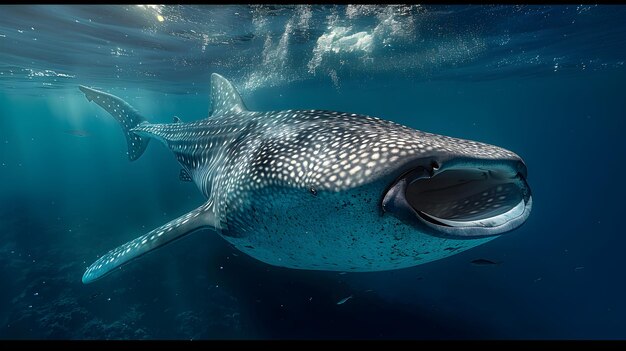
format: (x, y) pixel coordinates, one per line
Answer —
(199, 218)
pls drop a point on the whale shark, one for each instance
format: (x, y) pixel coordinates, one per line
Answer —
(325, 190)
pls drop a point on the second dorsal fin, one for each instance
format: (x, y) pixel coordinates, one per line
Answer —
(224, 97)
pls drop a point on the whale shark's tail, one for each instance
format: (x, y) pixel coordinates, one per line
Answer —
(123, 113)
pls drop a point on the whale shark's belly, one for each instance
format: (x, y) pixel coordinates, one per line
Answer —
(335, 231)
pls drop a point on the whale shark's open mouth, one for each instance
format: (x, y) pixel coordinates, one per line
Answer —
(463, 202)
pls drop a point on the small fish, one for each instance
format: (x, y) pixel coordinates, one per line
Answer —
(579, 268)
(78, 133)
(483, 262)
(94, 296)
(342, 301)
(342, 273)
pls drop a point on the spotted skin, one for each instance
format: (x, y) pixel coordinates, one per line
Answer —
(184, 176)
(302, 188)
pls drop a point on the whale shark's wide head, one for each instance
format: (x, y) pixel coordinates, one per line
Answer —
(442, 186)
(360, 193)
(315, 189)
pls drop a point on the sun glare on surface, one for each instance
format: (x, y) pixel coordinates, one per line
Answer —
(154, 9)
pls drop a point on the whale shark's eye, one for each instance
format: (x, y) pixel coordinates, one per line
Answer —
(313, 191)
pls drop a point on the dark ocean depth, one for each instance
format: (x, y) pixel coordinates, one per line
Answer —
(547, 82)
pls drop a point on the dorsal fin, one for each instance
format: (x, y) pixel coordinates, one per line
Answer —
(224, 97)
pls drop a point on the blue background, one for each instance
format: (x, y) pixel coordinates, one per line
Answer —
(68, 192)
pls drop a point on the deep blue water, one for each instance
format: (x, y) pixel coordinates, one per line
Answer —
(547, 82)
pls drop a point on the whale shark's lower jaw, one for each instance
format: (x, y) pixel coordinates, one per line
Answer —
(462, 199)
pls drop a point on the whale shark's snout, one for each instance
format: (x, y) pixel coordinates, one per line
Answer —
(463, 197)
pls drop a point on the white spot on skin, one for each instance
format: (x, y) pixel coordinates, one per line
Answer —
(355, 170)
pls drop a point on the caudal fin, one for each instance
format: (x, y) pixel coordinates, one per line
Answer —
(123, 113)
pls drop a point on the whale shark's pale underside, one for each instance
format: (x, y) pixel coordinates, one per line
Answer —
(325, 190)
